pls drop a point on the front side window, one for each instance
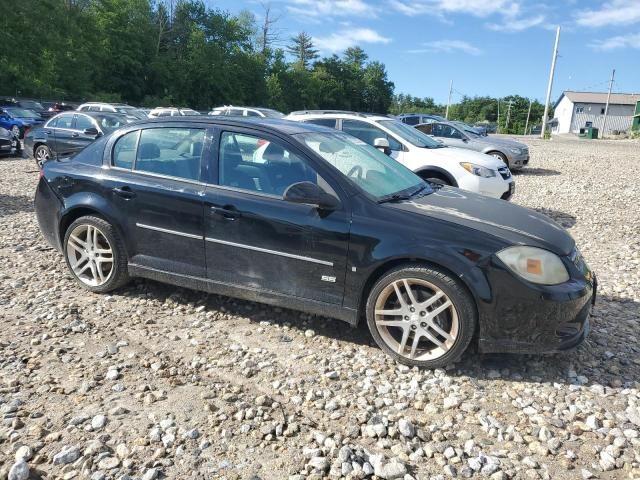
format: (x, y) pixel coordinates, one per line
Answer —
(374, 172)
(83, 122)
(174, 152)
(260, 165)
(368, 133)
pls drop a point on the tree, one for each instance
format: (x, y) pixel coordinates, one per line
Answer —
(301, 48)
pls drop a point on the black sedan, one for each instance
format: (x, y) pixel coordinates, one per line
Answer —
(309, 218)
(68, 133)
(8, 142)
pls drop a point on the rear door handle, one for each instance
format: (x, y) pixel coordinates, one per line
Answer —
(124, 192)
(229, 213)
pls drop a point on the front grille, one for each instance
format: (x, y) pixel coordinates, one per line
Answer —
(504, 172)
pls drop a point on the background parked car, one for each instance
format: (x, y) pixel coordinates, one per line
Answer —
(69, 132)
(417, 118)
(514, 154)
(482, 131)
(32, 105)
(232, 111)
(18, 120)
(172, 112)
(8, 142)
(122, 108)
(56, 107)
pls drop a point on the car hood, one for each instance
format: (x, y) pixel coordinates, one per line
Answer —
(505, 220)
(451, 154)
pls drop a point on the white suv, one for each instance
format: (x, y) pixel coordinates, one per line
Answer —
(172, 112)
(230, 110)
(123, 108)
(427, 157)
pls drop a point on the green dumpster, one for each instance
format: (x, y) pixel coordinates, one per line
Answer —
(588, 132)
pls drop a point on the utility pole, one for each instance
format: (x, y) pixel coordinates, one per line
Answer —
(606, 107)
(550, 85)
(498, 126)
(506, 126)
(446, 115)
(526, 125)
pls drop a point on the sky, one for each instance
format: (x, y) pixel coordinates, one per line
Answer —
(490, 47)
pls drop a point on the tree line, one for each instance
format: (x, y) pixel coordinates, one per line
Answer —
(181, 52)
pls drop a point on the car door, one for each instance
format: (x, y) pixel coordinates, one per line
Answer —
(156, 185)
(63, 135)
(255, 239)
(452, 136)
(368, 133)
(80, 139)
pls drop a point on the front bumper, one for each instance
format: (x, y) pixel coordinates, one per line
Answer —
(527, 318)
(494, 187)
(517, 161)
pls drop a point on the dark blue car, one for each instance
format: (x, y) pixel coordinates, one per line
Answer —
(19, 120)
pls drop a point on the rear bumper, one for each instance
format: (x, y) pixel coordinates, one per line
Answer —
(48, 206)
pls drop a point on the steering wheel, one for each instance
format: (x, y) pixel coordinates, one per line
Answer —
(356, 171)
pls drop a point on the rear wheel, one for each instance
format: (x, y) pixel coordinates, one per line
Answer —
(42, 154)
(95, 254)
(421, 316)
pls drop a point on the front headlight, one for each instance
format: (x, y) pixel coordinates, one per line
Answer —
(535, 265)
(478, 170)
(517, 151)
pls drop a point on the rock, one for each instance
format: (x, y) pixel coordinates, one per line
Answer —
(607, 462)
(150, 474)
(98, 422)
(319, 463)
(19, 470)
(108, 463)
(406, 428)
(24, 453)
(390, 471)
(68, 454)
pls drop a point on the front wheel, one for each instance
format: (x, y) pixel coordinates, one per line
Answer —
(421, 316)
(500, 156)
(15, 131)
(95, 254)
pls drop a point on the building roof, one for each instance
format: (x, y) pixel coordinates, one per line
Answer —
(597, 97)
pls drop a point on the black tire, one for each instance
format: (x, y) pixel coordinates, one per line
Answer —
(435, 179)
(40, 153)
(461, 299)
(501, 156)
(119, 275)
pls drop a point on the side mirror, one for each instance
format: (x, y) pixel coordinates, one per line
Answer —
(310, 193)
(382, 144)
(91, 132)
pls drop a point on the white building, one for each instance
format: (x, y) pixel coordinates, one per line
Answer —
(575, 110)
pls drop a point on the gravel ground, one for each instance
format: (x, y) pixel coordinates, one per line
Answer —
(158, 382)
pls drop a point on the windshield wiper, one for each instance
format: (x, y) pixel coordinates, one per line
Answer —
(398, 197)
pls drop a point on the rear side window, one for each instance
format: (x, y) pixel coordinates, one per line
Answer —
(413, 120)
(325, 122)
(124, 152)
(251, 113)
(174, 152)
(368, 133)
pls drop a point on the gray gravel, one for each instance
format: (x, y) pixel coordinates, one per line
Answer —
(155, 382)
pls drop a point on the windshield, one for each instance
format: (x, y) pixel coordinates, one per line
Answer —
(21, 112)
(269, 113)
(31, 105)
(413, 136)
(374, 172)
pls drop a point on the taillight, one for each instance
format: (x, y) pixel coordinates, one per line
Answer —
(40, 173)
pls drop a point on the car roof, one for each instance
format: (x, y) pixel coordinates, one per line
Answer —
(280, 125)
(337, 114)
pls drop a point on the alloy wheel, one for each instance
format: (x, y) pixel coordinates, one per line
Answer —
(90, 255)
(42, 155)
(416, 319)
(15, 131)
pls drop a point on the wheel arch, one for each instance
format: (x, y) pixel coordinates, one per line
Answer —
(475, 291)
(83, 207)
(439, 172)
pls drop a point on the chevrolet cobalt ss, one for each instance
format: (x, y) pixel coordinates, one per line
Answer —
(317, 221)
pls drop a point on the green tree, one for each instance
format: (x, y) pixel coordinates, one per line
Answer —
(302, 50)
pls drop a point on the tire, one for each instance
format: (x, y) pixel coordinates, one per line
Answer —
(15, 130)
(97, 278)
(500, 156)
(428, 284)
(42, 154)
(435, 179)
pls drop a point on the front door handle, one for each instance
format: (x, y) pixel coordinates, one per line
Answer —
(230, 213)
(75, 135)
(124, 192)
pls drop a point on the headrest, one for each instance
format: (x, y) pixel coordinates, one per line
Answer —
(148, 151)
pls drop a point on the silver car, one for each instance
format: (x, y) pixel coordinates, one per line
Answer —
(514, 154)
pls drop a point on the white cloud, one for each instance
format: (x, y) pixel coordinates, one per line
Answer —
(517, 25)
(338, 41)
(447, 46)
(614, 12)
(321, 9)
(631, 40)
(514, 17)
